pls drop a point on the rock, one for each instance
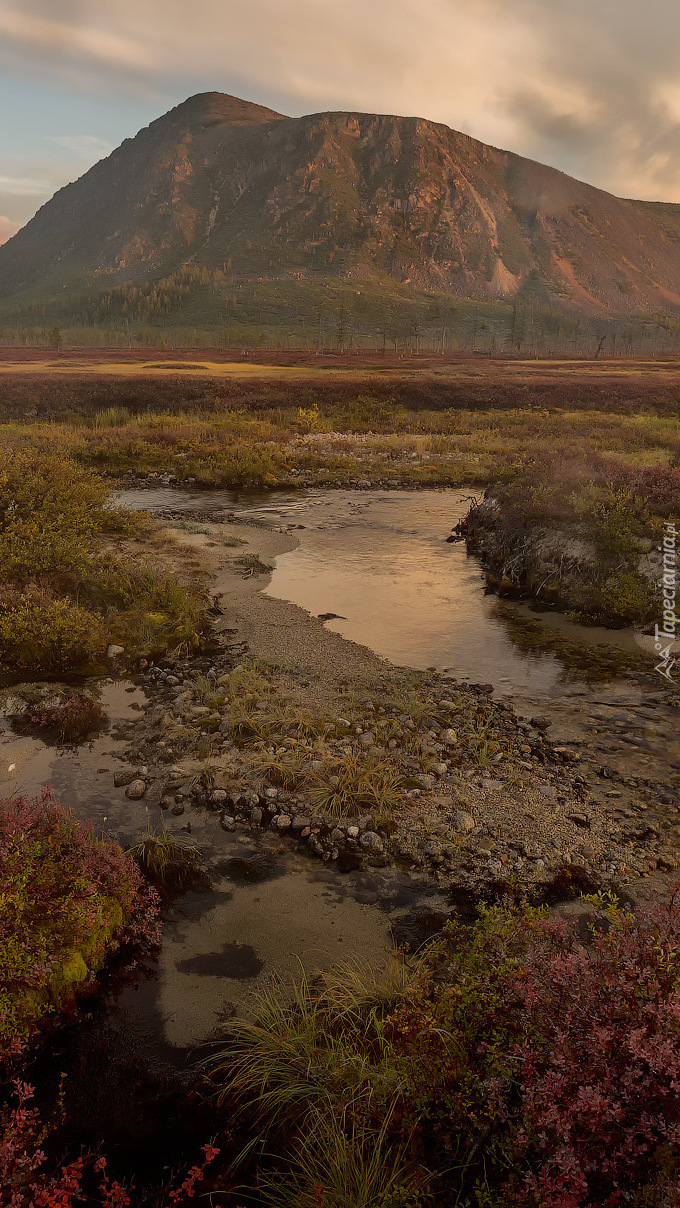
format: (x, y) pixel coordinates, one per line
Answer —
(256, 816)
(449, 737)
(367, 739)
(440, 769)
(541, 723)
(667, 863)
(199, 710)
(136, 790)
(432, 849)
(113, 651)
(218, 796)
(370, 841)
(166, 803)
(579, 820)
(353, 832)
(227, 822)
(548, 791)
(284, 822)
(300, 822)
(178, 809)
(337, 836)
(121, 779)
(492, 786)
(463, 822)
(271, 794)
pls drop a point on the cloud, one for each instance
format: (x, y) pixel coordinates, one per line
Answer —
(591, 87)
(24, 186)
(7, 228)
(86, 146)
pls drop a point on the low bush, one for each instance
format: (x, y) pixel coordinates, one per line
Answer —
(511, 1065)
(66, 595)
(74, 717)
(67, 900)
(43, 632)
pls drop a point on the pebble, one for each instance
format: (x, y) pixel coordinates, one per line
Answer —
(284, 822)
(113, 651)
(370, 841)
(178, 809)
(136, 790)
(218, 796)
(227, 822)
(122, 778)
(492, 785)
(367, 739)
(449, 737)
(464, 822)
(548, 791)
(256, 816)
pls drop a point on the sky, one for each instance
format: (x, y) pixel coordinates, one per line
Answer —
(589, 86)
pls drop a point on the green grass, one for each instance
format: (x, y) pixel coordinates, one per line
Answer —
(69, 589)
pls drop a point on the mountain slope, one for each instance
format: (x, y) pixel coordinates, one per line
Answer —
(233, 188)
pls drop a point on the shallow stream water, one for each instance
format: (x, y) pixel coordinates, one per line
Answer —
(381, 563)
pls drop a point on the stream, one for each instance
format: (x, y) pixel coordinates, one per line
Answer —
(379, 562)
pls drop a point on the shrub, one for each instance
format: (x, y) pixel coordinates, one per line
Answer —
(50, 510)
(41, 632)
(66, 901)
(511, 1066)
(73, 718)
(28, 1179)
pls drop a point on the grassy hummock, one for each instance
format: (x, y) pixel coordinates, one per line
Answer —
(69, 587)
(67, 901)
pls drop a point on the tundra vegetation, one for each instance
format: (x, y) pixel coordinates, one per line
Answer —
(69, 586)
(616, 478)
(511, 1064)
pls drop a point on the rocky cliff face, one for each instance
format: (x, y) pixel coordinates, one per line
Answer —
(221, 184)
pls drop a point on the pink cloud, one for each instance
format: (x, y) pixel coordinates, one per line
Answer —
(7, 228)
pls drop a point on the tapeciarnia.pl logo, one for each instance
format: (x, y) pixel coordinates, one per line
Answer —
(665, 634)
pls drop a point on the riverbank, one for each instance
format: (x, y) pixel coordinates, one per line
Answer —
(355, 761)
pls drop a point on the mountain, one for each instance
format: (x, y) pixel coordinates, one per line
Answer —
(220, 192)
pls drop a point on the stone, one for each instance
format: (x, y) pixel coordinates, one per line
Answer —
(166, 803)
(370, 841)
(136, 790)
(449, 737)
(353, 832)
(440, 769)
(432, 849)
(548, 791)
(200, 710)
(579, 820)
(667, 863)
(113, 651)
(218, 796)
(227, 822)
(121, 779)
(178, 809)
(256, 816)
(271, 794)
(284, 822)
(300, 823)
(463, 821)
(337, 836)
(541, 722)
(367, 739)
(492, 786)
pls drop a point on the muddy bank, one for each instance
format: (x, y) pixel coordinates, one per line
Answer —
(613, 583)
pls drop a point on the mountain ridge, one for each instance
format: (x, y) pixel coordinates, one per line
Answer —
(235, 190)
